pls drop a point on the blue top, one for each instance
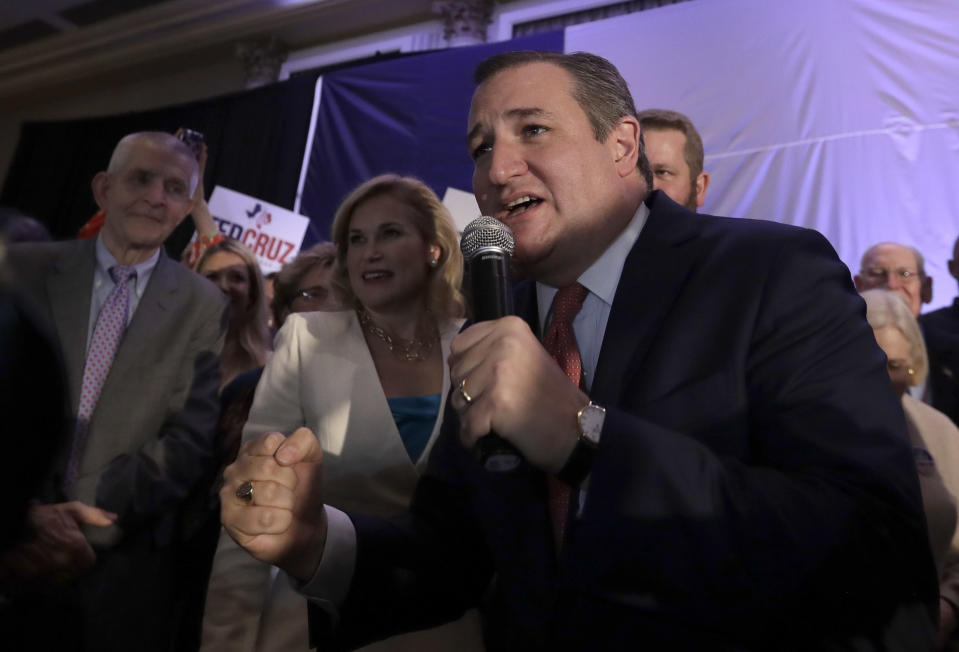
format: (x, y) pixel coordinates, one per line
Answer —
(415, 417)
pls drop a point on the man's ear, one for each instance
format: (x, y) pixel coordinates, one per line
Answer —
(101, 185)
(925, 292)
(702, 182)
(624, 140)
(953, 266)
(858, 282)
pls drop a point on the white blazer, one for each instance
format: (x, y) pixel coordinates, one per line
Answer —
(321, 376)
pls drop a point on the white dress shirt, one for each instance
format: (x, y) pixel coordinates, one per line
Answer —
(601, 279)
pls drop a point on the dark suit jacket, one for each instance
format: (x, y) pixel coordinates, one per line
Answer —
(33, 399)
(151, 436)
(753, 487)
(940, 329)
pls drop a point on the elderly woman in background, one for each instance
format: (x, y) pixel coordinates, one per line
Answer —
(234, 269)
(306, 284)
(935, 441)
(369, 382)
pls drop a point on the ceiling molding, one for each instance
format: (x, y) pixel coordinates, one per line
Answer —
(167, 30)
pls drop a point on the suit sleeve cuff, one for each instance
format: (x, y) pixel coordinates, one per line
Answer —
(331, 582)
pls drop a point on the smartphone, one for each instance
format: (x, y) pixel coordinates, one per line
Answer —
(193, 140)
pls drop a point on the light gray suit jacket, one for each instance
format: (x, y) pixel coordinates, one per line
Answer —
(152, 432)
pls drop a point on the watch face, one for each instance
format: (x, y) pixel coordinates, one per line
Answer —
(591, 422)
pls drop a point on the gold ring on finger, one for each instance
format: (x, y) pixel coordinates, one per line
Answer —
(464, 393)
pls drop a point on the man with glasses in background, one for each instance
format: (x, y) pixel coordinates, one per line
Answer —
(901, 269)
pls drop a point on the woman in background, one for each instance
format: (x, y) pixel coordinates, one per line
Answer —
(305, 284)
(935, 441)
(369, 382)
(234, 269)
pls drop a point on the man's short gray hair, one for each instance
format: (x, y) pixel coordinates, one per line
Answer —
(160, 139)
(664, 119)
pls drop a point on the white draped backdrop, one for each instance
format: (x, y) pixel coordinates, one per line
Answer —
(839, 115)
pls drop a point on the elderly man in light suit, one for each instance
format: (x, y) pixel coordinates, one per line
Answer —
(140, 336)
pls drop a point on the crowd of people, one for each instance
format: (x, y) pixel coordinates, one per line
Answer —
(726, 441)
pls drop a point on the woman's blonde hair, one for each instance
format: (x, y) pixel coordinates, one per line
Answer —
(248, 338)
(886, 308)
(433, 222)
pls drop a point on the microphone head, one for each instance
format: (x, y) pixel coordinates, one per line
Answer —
(485, 233)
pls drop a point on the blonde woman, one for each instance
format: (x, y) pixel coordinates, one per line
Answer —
(234, 269)
(370, 382)
(935, 441)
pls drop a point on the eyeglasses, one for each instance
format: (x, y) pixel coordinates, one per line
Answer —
(315, 293)
(880, 274)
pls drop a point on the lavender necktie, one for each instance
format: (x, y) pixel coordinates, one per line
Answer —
(111, 323)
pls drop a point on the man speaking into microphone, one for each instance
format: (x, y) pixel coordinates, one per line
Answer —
(705, 463)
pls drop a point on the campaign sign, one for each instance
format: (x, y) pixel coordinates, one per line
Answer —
(272, 233)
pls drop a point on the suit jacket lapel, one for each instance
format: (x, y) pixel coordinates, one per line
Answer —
(152, 310)
(524, 297)
(446, 337)
(70, 287)
(654, 272)
(524, 492)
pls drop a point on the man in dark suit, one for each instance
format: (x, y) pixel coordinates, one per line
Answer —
(141, 356)
(730, 472)
(940, 329)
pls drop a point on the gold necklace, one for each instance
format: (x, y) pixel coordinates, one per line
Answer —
(414, 350)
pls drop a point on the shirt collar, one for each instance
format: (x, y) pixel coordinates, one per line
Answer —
(602, 277)
(105, 261)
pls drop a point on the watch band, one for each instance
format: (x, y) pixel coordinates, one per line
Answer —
(579, 463)
(590, 422)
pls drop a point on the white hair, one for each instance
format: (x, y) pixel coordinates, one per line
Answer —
(885, 308)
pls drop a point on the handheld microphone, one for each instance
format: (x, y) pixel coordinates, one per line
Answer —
(487, 245)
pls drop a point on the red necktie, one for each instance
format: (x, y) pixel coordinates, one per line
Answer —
(560, 342)
(111, 323)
